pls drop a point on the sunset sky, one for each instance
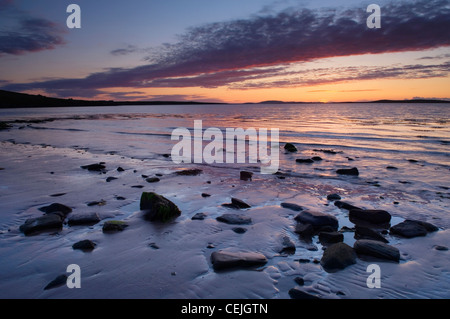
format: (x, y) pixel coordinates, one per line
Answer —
(226, 50)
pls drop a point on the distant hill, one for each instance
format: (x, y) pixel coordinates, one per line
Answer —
(18, 100)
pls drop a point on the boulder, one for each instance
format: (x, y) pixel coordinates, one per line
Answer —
(84, 245)
(330, 237)
(225, 259)
(362, 232)
(338, 256)
(114, 226)
(290, 147)
(317, 219)
(373, 216)
(47, 222)
(56, 208)
(305, 231)
(348, 171)
(234, 219)
(158, 208)
(83, 219)
(292, 206)
(377, 249)
(412, 228)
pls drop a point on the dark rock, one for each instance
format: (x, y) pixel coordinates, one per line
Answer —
(295, 293)
(205, 195)
(239, 230)
(110, 178)
(97, 203)
(348, 171)
(120, 169)
(234, 219)
(326, 151)
(362, 232)
(440, 247)
(345, 205)
(144, 176)
(58, 195)
(245, 176)
(85, 245)
(412, 228)
(413, 161)
(331, 237)
(120, 198)
(391, 167)
(236, 204)
(316, 158)
(338, 256)
(199, 216)
(57, 282)
(374, 216)
(317, 219)
(290, 147)
(98, 167)
(304, 260)
(44, 223)
(299, 281)
(153, 245)
(292, 206)
(158, 208)
(84, 219)
(306, 231)
(226, 260)
(377, 249)
(137, 186)
(114, 226)
(210, 246)
(333, 197)
(61, 209)
(345, 229)
(304, 160)
(287, 246)
(189, 172)
(152, 180)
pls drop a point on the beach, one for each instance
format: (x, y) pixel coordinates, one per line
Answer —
(401, 152)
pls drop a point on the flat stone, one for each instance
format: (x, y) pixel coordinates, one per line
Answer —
(304, 161)
(348, 171)
(85, 245)
(189, 172)
(412, 228)
(57, 282)
(374, 216)
(98, 167)
(331, 237)
(152, 180)
(317, 219)
(345, 205)
(114, 226)
(362, 232)
(292, 206)
(234, 219)
(239, 230)
(43, 223)
(236, 204)
(225, 259)
(83, 219)
(377, 249)
(338, 256)
(61, 209)
(199, 216)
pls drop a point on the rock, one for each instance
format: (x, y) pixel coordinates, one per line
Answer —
(304, 161)
(158, 208)
(153, 245)
(98, 167)
(47, 222)
(119, 198)
(225, 259)
(287, 246)
(292, 206)
(316, 158)
(57, 208)
(338, 256)
(57, 282)
(137, 186)
(391, 167)
(299, 280)
(440, 247)
(345, 205)
(348, 171)
(152, 180)
(236, 204)
(110, 178)
(84, 219)
(412, 228)
(206, 195)
(290, 147)
(85, 245)
(58, 194)
(373, 216)
(306, 231)
(120, 169)
(239, 230)
(330, 237)
(199, 216)
(362, 232)
(114, 226)
(189, 172)
(295, 293)
(377, 249)
(317, 219)
(97, 203)
(245, 176)
(234, 219)
(333, 197)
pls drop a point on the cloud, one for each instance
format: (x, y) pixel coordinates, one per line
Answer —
(22, 33)
(125, 51)
(265, 45)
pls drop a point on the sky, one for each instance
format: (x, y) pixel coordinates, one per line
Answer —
(232, 51)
